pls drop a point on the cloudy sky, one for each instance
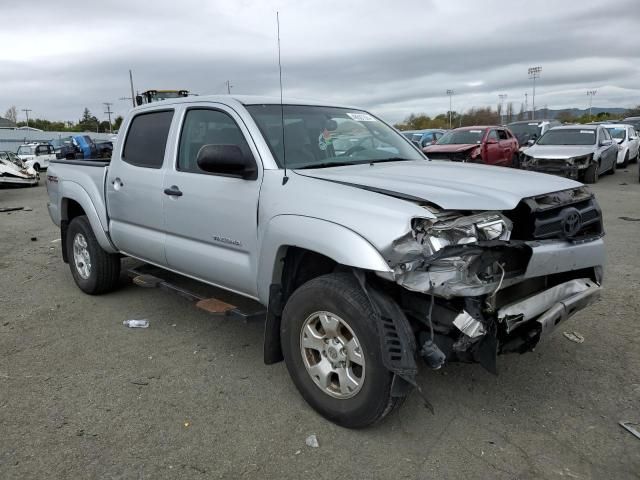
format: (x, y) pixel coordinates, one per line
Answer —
(393, 57)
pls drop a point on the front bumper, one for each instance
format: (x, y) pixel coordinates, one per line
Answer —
(542, 312)
(562, 169)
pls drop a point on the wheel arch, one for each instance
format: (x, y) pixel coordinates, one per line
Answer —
(75, 201)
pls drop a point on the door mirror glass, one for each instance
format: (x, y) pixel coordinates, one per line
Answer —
(605, 142)
(226, 160)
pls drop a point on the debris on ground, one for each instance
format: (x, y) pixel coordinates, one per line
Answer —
(574, 337)
(633, 428)
(142, 323)
(140, 382)
(34, 239)
(10, 209)
(623, 183)
(28, 209)
(630, 219)
(312, 441)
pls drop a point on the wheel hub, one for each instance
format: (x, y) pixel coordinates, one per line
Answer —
(81, 257)
(332, 355)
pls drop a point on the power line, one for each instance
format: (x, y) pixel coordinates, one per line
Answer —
(109, 112)
(26, 111)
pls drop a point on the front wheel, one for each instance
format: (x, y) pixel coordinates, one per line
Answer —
(36, 167)
(625, 162)
(94, 270)
(332, 351)
(591, 173)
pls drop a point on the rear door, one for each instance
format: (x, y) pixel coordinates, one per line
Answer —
(506, 147)
(134, 187)
(493, 151)
(211, 224)
(609, 153)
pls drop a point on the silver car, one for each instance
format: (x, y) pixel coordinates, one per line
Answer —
(581, 152)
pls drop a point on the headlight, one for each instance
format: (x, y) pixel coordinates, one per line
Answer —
(570, 161)
(458, 230)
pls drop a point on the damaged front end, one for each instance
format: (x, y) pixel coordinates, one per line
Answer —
(473, 291)
(11, 174)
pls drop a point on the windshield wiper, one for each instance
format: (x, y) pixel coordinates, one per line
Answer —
(326, 165)
(390, 159)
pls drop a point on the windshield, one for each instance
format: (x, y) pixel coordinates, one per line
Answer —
(568, 136)
(617, 133)
(26, 150)
(525, 131)
(317, 136)
(461, 137)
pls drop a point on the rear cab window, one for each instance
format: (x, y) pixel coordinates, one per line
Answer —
(147, 139)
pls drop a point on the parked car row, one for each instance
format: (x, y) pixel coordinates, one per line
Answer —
(581, 152)
(75, 147)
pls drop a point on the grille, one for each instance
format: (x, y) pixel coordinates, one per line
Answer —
(571, 215)
(453, 156)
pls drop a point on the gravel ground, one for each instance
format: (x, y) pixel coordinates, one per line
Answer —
(81, 396)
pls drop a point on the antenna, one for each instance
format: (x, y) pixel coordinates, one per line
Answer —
(285, 179)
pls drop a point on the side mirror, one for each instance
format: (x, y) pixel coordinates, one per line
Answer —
(491, 140)
(226, 160)
(531, 142)
(605, 142)
(138, 100)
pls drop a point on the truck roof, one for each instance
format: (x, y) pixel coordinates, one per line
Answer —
(244, 100)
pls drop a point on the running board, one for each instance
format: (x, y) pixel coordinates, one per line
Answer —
(211, 305)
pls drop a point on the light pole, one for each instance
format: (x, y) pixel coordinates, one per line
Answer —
(534, 72)
(526, 105)
(590, 93)
(450, 93)
(502, 96)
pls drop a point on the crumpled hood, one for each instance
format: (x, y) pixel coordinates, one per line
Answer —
(559, 151)
(449, 148)
(451, 186)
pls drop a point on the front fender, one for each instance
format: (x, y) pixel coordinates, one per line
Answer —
(74, 191)
(335, 241)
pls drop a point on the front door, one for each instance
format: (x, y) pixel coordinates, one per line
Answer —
(134, 188)
(493, 152)
(210, 219)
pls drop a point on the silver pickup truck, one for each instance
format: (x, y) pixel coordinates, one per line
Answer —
(366, 255)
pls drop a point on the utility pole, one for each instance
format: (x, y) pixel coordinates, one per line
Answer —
(590, 93)
(109, 112)
(450, 93)
(534, 72)
(133, 96)
(26, 111)
(502, 96)
(229, 86)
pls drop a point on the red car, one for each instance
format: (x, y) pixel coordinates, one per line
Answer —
(492, 145)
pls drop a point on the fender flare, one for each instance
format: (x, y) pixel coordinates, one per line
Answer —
(74, 191)
(332, 240)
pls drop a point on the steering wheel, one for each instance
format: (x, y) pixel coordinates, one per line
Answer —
(352, 150)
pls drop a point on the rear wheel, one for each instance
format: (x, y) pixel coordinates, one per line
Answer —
(591, 173)
(614, 167)
(94, 270)
(332, 351)
(36, 167)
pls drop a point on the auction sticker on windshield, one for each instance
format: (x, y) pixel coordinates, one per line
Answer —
(475, 131)
(587, 131)
(361, 117)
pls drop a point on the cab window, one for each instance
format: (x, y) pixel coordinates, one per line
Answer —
(207, 127)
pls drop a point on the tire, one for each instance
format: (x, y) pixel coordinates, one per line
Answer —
(614, 167)
(103, 272)
(625, 162)
(337, 295)
(36, 167)
(515, 162)
(591, 174)
(37, 180)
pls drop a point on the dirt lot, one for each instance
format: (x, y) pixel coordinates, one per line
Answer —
(81, 396)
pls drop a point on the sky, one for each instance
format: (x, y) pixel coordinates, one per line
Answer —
(393, 58)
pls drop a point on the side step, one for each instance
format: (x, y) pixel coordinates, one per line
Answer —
(208, 304)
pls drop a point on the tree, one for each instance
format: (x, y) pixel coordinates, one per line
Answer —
(521, 114)
(509, 112)
(117, 122)
(633, 112)
(565, 117)
(87, 122)
(11, 114)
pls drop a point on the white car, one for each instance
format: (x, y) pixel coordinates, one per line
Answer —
(14, 172)
(628, 142)
(36, 155)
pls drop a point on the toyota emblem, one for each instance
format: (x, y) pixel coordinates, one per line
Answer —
(572, 222)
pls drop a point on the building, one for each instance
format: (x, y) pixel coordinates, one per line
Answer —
(4, 123)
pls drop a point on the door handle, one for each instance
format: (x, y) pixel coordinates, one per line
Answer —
(174, 191)
(117, 183)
